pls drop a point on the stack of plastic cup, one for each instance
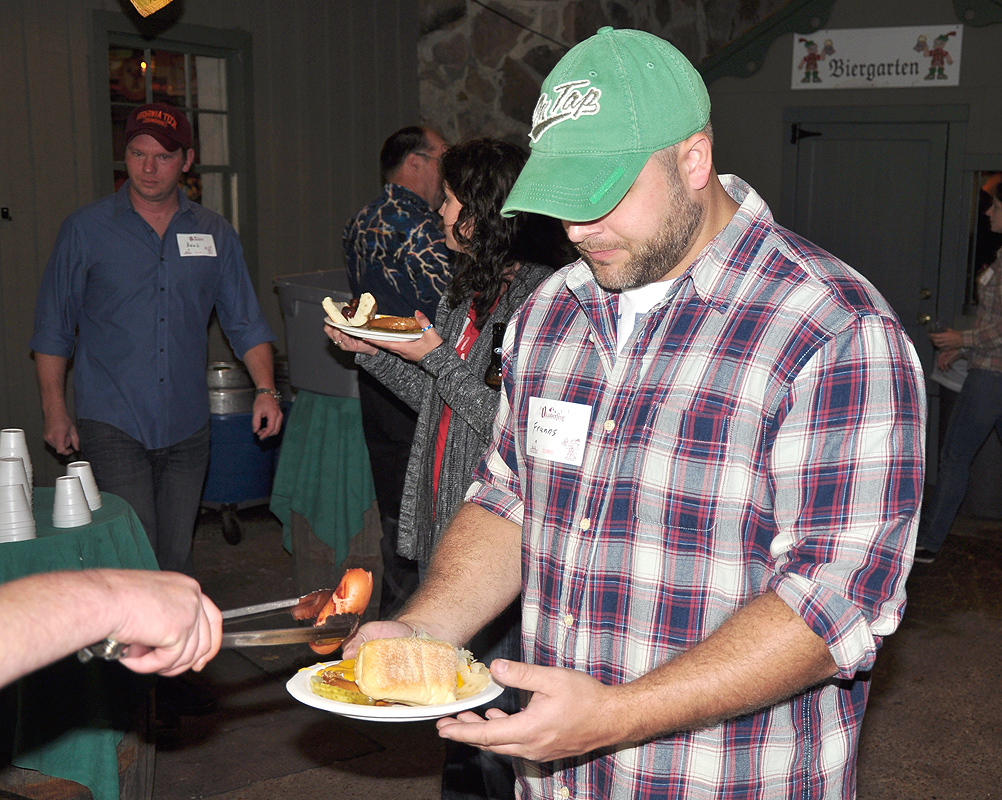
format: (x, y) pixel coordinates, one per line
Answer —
(12, 472)
(86, 475)
(69, 506)
(16, 520)
(13, 443)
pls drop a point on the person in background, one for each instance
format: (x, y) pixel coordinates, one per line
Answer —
(978, 410)
(169, 625)
(394, 249)
(704, 477)
(127, 294)
(499, 262)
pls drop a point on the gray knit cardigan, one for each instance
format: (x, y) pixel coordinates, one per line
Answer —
(443, 377)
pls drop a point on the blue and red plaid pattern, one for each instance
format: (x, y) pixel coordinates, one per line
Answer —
(763, 428)
(983, 342)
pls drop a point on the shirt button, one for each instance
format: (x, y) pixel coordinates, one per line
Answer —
(564, 792)
(585, 524)
(568, 621)
(609, 425)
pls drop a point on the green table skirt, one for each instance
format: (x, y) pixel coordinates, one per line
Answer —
(70, 717)
(323, 470)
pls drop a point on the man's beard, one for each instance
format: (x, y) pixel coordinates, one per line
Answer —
(651, 260)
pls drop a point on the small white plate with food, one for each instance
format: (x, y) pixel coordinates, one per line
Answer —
(413, 679)
(375, 334)
(358, 317)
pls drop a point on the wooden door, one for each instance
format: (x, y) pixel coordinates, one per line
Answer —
(872, 194)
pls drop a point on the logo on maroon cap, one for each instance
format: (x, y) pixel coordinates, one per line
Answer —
(161, 121)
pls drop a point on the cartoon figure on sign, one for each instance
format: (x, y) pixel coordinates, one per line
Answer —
(938, 54)
(571, 448)
(809, 63)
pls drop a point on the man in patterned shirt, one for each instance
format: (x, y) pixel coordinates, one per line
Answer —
(705, 471)
(395, 249)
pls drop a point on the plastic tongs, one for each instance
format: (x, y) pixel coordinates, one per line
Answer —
(263, 631)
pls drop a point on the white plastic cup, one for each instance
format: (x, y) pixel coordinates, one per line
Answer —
(12, 472)
(84, 472)
(69, 504)
(18, 536)
(14, 443)
(13, 498)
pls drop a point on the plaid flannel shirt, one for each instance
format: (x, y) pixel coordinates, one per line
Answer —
(762, 429)
(983, 342)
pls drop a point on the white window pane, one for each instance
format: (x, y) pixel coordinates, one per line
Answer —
(212, 191)
(213, 146)
(235, 195)
(211, 82)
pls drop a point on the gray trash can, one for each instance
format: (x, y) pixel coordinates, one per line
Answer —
(315, 364)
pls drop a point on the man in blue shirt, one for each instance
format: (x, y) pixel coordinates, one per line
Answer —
(127, 294)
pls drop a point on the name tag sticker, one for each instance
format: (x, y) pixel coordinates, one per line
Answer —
(196, 244)
(557, 430)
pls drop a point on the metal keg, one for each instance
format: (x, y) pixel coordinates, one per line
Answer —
(231, 390)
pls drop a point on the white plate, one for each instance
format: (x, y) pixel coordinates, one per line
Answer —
(299, 687)
(374, 335)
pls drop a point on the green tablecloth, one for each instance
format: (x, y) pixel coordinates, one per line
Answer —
(70, 717)
(323, 470)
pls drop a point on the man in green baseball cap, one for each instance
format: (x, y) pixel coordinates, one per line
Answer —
(704, 477)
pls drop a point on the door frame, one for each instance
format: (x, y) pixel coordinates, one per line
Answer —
(956, 203)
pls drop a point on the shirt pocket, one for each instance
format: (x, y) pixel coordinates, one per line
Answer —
(681, 467)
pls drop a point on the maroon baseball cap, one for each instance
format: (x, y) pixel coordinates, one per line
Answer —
(167, 124)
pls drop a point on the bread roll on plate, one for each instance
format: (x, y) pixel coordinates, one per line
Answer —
(358, 316)
(417, 671)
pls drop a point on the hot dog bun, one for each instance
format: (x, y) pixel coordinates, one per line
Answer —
(389, 323)
(363, 313)
(413, 671)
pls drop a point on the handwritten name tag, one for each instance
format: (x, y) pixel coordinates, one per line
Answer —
(558, 430)
(196, 244)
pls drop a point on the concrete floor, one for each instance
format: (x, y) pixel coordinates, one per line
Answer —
(933, 729)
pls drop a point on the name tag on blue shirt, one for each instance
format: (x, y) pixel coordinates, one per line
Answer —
(196, 244)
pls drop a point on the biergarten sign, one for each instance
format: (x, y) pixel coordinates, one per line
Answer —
(877, 58)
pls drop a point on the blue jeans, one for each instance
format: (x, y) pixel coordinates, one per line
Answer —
(163, 486)
(977, 411)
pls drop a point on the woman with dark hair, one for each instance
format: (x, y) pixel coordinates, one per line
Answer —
(978, 410)
(498, 262)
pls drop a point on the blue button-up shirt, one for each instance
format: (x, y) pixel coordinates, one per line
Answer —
(133, 314)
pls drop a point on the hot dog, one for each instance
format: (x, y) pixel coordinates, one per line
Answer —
(388, 323)
(351, 596)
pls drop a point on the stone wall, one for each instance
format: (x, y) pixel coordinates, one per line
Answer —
(482, 62)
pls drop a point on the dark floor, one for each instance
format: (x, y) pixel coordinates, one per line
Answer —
(933, 730)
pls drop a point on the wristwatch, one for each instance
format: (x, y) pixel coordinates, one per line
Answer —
(273, 392)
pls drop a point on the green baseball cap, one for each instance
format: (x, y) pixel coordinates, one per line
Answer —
(610, 103)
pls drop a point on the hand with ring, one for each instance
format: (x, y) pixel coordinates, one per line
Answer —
(349, 343)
